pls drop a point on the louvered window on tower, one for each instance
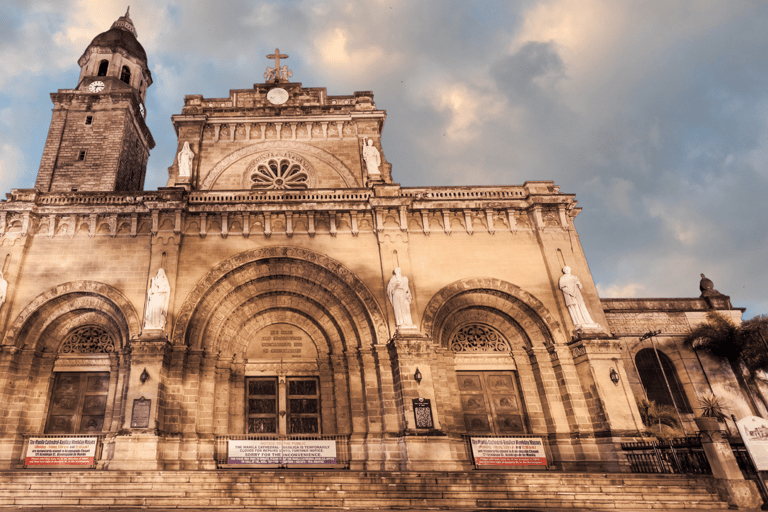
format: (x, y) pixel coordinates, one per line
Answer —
(81, 156)
(125, 75)
(88, 120)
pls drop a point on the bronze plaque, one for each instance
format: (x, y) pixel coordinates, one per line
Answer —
(140, 415)
(422, 412)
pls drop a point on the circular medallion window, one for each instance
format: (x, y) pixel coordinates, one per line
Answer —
(280, 172)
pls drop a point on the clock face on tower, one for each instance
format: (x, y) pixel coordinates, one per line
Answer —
(277, 96)
(96, 86)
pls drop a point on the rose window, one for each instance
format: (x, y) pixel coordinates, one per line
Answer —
(279, 173)
(478, 338)
(88, 340)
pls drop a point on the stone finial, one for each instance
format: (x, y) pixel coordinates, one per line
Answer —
(707, 287)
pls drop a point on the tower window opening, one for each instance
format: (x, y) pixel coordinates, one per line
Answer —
(88, 120)
(103, 68)
(81, 156)
(125, 75)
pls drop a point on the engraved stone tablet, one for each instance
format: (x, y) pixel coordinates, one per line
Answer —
(422, 412)
(140, 415)
(281, 342)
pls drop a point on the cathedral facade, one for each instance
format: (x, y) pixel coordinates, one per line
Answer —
(283, 286)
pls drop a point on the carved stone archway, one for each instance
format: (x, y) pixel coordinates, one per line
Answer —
(69, 300)
(280, 277)
(525, 309)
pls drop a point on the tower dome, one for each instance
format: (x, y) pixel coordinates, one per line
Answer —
(118, 54)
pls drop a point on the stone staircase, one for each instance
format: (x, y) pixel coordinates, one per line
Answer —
(292, 489)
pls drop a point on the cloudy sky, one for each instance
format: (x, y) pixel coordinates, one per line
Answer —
(654, 113)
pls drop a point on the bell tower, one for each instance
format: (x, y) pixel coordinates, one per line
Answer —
(98, 139)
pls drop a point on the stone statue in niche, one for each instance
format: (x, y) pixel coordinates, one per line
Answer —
(399, 295)
(185, 161)
(372, 158)
(3, 289)
(157, 302)
(571, 287)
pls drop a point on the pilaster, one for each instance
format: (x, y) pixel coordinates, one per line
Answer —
(416, 374)
(138, 445)
(609, 398)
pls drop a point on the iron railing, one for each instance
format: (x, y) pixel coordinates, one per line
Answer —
(221, 447)
(681, 455)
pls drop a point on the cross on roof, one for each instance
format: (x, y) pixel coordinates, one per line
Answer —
(277, 56)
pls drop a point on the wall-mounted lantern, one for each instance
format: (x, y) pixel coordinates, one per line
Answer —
(417, 376)
(615, 376)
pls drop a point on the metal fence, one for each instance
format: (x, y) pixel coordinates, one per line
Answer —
(743, 459)
(342, 449)
(681, 455)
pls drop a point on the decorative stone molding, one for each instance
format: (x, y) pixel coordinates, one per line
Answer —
(479, 284)
(195, 297)
(602, 347)
(88, 340)
(478, 338)
(299, 147)
(288, 367)
(107, 292)
(80, 362)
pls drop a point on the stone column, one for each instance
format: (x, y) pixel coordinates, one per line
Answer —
(359, 413)
(138, 446)
(221, 401)
(11, 440)
(421, 448)
(189, 405)
(391, 419)
(205, 413)
(609, 398)
(728, 479)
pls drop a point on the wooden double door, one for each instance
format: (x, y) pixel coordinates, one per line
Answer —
(78, 403)
(282, 406)
(491, 402)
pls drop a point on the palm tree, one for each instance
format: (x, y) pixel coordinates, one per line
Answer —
(743, 346)
(659, 419)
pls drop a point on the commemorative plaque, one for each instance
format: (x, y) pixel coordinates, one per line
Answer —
(422, 412)
(140, 415)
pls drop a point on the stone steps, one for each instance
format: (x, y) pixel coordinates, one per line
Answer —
(345, 489)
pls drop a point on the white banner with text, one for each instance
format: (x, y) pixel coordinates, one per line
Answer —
(289, 451)
(508, 451)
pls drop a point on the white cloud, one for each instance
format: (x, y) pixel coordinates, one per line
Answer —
(11, 161)
(620, 290)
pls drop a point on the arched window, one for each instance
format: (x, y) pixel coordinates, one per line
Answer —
(103, 67)
(652, 376)
(125, 75)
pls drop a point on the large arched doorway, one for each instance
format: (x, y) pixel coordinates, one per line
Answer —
(291, 338)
